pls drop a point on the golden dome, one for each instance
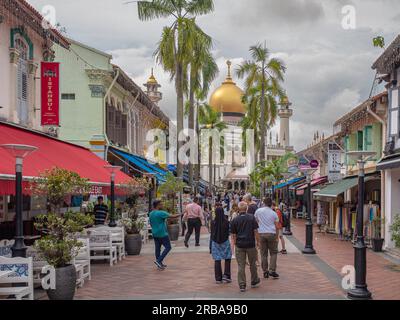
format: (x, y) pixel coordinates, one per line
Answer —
(152, 79)
(228, 97)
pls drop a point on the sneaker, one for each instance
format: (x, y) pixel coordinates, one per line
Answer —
(284, 252)
(159, 265)
(163, 265)
(274, 275)
(266, 275)
(242, 289)
(256, 284)
(218, 282)
(197, 244)
(226, 279)
(186, 245)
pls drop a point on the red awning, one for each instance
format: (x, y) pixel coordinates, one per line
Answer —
(314, 183)
(51, 153)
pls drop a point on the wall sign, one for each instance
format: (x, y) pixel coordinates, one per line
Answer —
(334, 162)
(50, 81)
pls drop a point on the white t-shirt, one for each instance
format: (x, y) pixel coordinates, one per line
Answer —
(266, 218)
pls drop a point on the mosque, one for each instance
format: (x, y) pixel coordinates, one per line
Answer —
(234, 174)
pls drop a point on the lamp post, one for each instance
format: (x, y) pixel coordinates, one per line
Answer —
(112, 170)
(288, 231)
(360, 291)
(309, 248)
(19, 152)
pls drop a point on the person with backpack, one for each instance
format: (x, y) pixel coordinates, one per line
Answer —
(282, 224)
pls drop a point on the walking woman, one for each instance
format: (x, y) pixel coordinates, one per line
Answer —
(220, 245)
(232, 215)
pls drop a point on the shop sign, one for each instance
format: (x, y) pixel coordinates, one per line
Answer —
(334, 162)
(96, 190)
(50, 83)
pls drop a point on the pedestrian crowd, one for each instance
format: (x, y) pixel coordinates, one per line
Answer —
(241, 228)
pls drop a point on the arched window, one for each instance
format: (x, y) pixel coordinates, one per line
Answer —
(22, 80)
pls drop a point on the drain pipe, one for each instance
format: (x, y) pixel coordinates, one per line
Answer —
(383, 188)
(105, 113)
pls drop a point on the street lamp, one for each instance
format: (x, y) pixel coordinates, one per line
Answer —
(112, 170)
(360, 249)
(288, 231)
(309, 248)
(19, 152)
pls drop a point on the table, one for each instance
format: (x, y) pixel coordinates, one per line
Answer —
(5, 274)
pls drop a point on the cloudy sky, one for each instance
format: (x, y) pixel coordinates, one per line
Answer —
(328, 67)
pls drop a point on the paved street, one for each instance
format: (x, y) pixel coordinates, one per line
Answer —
(190, 274)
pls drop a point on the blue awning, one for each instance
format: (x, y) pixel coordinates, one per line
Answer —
(288, 183)
(141, 164)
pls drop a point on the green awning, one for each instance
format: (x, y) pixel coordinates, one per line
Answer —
(333, 190)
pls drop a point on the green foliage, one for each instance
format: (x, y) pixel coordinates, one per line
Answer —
(172, 186)
(57, 183)
(59, 246)
(395, 231)
(133, 224)
(379, 42)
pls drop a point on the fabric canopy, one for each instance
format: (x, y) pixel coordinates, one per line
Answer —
(142, 164)
(314, 183)
(333, 190)
(288, 183)
(51, 153)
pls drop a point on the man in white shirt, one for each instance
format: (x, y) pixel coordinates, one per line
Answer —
(268, 222)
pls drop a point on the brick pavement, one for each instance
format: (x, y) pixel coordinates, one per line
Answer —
(190, 274)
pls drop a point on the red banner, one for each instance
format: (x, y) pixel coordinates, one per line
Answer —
(50, 80)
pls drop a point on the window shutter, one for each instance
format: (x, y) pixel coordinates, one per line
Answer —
(394, 113)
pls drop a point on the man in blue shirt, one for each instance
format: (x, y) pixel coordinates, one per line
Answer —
(158, 222)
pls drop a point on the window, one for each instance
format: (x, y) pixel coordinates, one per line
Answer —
(394, 113)
(68, 96)
(368, 138)
(360, 141)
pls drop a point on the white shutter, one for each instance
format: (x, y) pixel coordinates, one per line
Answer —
(394, 113)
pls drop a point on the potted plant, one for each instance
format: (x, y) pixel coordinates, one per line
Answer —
(169, 189)
(133, 239)
(395, 231)
(377, 240)
(59, 245)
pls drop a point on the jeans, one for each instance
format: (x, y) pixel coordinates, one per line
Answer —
(196, 225)
(268, 243)
(158, 242)
(241, 256)
(218, 269)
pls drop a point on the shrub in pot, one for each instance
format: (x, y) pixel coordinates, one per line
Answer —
(377, 240)
(59, 247)
(395, 231)
(133, 239)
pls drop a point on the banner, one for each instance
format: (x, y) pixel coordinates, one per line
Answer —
(334, 162)
(50, 81)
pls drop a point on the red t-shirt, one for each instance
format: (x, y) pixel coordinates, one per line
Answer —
(279, 213)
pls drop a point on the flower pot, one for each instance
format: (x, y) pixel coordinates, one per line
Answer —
(133, 244)
(377, 245)
(173, 232)
(65, 284)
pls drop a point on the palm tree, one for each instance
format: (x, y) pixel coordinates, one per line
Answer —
(203, 70)
(177, 42)
(210, 119)
(262, 72)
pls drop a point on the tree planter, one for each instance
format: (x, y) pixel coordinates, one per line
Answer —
(173, 232)
(65, 284)
(377, 245)
(133, 244)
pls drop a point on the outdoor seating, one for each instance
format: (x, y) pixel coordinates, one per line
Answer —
(101, 246)
(5, 248)
(118, 240)
(83, 259)
(21, 273)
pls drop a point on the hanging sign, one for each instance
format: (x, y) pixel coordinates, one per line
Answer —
(314, 164)
(50, 82)
(334, 162)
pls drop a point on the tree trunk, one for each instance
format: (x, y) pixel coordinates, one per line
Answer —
(262, 125)
(210, 165)
(191, 124)
(198, 167)
(179, 114)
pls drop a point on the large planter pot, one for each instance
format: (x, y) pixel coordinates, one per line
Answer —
(133, 244)
(173, 232)
(377, 245)
(65, 284)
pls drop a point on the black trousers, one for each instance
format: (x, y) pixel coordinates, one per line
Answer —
(193, 224)
(218, 270)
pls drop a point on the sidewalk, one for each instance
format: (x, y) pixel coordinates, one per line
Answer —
(383, 272)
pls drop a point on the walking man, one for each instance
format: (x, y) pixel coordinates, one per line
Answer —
(158, 224)
(245, 238)
(195, 219)
(251, 205)
(268, 221)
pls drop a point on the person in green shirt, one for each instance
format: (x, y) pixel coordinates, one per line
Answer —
(159, 231)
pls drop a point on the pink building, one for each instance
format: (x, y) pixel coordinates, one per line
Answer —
(24, 43)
